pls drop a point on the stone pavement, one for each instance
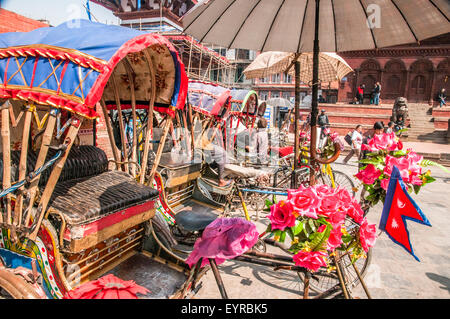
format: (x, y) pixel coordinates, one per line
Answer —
(392, 274)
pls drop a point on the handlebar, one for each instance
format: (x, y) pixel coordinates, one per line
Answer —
(333, 158)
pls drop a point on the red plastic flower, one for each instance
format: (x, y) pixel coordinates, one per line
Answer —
(304, 201)
(355, 212)
(335, 239)
(311, 260)
(330, 204)
(107, 287)
(281, 216)
(389, 142)
(344, 196)
(323, 190)
(369, 174)
(367, 235)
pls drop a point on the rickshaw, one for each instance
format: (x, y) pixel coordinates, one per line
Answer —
(189, 192)
(66, 217)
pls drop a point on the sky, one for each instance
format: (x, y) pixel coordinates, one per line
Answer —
(58, 11)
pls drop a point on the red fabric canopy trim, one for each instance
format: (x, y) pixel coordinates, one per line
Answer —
(87, 109)
(56, 53)
(49, 99)
(138, 44)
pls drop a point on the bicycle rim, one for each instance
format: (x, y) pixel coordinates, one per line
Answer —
(340, 179)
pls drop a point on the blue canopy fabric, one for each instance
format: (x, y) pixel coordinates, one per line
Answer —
(69, 65)
(208, 98)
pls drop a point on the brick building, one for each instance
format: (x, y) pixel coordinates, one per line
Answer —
(13, 22)
(416, 71)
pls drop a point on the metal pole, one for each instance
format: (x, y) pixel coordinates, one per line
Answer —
(296, 118)
(315, 91)
(218, 278)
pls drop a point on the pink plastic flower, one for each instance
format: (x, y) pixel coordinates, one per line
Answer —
(324, 190)
(311, 260)
(335, 239)
(355, 212)
(344, 196)
(304, 201)
(409, 167)
(369, 174)
(367, 235)
(337, 218)
(330, 204)
(281, 215)
(383, 141)
(385, 184)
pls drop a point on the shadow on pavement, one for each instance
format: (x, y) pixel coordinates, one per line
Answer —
(440, 279)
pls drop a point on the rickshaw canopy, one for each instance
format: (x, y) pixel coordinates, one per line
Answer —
(208, 98)
(244, 102)
(69, 66)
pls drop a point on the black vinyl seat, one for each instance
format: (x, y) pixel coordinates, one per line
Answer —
(87, 199)
(193, 220)
(86, 190)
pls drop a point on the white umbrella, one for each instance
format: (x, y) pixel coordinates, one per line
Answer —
(280, 102)
(313, 26)
(332, 67)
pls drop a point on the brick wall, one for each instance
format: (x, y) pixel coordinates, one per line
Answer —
(13, 22)
(102, 134)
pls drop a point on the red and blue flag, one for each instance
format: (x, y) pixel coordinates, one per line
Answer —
(399, 207)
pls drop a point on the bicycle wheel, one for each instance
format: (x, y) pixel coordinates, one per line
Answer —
(329, 280)
(340, 179)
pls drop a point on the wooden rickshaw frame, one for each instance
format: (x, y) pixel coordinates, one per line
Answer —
(24, 228)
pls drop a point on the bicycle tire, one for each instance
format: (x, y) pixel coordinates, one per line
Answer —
(340, 179)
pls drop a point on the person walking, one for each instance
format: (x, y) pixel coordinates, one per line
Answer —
(441, 98)
(376, 94)
(323, 123)
(357, 140)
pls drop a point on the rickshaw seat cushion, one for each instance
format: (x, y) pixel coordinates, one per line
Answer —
(194, 220)
(84, 200)
(233, 170)
(83, 161)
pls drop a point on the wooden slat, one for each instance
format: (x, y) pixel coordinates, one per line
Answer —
(129, 70)
(109, 129)
(54, 176)
(121, 127)
(46, 140)
(6, 141)
(148, 134)
(18, 210)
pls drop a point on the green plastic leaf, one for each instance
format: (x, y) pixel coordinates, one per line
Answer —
(426, 163)
(282, 237)
(319, 241)
(268, 203)
(297, 228)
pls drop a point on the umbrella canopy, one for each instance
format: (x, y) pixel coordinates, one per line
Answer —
(107, 287)
(332, 67)
(280, 102)
(289, 25)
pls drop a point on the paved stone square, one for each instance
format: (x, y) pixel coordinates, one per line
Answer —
(392, 274)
